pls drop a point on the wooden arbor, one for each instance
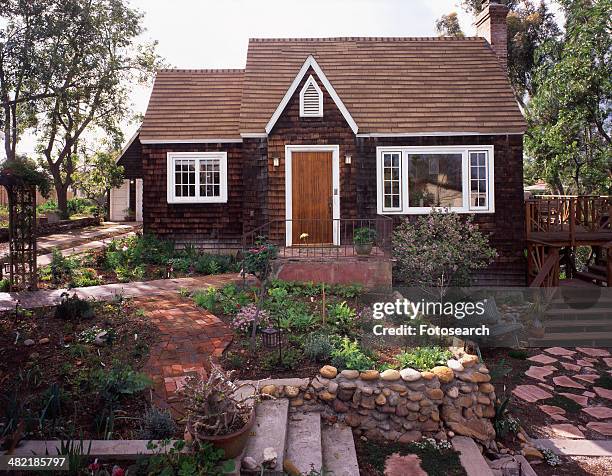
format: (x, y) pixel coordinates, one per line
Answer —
(22, 233)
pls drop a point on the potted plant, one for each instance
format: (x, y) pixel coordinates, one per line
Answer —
(363, 239)
(219, 411)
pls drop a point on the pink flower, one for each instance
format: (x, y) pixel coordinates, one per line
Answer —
(117, 471)
(95, 466)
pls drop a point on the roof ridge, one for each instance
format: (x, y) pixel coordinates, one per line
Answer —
(367, 38)
(201, 70)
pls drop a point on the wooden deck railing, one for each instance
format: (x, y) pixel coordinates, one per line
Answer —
(543, 265)
(568, 217)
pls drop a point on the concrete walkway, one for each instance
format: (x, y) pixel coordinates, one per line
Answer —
(105, 292)
(45, 259)
(76, 237)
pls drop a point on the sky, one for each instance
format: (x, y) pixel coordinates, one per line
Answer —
(215, 33)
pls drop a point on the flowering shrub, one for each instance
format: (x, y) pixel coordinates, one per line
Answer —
(257, 259)
(440, 250)
(245, 317)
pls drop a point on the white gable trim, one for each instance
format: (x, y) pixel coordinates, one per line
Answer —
(310, 62)
(192, 141)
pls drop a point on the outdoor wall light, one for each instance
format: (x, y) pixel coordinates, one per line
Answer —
(275, 161)
(347, 159)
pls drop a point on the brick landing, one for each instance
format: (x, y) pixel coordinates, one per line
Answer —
(189, 337)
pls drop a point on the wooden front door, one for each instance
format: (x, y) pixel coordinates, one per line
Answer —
(311, 198)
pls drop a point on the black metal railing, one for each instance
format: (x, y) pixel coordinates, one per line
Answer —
(324, 238)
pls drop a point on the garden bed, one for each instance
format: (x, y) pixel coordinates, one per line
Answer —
(74, 371)
(320, 324)
(134, 258)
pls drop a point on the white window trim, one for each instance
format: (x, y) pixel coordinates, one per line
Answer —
(172, 156)
(465, 150)
(311, 81)
(335, 150)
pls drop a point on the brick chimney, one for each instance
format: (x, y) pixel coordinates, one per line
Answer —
(491, 25)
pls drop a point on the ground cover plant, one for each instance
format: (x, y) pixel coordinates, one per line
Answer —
(76, 370)
(137, 258)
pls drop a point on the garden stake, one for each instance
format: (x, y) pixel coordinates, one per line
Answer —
(323, 291)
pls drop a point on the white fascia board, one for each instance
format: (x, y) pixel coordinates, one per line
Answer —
(191, 141)
(437, 134)
(311, 62)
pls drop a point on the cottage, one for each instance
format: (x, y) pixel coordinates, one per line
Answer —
(316, 136)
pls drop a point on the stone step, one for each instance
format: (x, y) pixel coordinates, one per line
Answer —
(573, 313)
(470, 456)
(270, 430)
(566, 447)
(339, 455)
(578, 325)
(303, 448)
(573, 339)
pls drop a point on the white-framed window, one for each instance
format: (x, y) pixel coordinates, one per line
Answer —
(412, 180)
(197, 177)
(311, 99)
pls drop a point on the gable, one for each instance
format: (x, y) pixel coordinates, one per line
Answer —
(310, 63)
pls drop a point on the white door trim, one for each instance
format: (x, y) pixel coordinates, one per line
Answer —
(335, 150)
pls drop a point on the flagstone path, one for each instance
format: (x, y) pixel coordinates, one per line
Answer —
(585, 365)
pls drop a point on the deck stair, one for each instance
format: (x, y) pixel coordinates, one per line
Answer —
(300, 437)
(582, 318)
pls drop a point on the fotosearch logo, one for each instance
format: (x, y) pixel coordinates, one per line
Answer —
(413, 309)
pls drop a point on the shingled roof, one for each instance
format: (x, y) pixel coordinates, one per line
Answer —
(388, 85)
(193, 104)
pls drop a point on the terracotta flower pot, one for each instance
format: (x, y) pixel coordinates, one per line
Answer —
(363, 249)
(232, 444)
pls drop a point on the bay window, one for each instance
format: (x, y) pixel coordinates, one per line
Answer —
(412, 180)
(197, 177)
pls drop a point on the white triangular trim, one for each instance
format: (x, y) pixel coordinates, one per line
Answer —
(311, 62)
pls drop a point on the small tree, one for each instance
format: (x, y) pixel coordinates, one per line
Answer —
(440, 250)
(257, 261)
(98, 175)
(448, 25)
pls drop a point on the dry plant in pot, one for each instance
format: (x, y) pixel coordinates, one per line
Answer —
(220, 412)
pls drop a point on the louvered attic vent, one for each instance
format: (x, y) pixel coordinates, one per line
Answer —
(311, 99)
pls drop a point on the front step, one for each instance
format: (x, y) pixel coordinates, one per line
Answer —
(586, 339)
(304, 441)
(578, 325)
(571, 314)
(270, 430)
(339, 455)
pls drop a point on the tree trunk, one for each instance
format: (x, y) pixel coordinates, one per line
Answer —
(62, 199)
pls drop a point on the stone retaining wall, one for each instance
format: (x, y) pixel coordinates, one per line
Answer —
(403, 405)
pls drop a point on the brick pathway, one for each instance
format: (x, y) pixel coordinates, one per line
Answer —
(190, 336)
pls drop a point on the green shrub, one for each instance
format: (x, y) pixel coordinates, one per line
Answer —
(290, 359)
(206, 299)
(62, 267)
(502, 421)
(81, 206)
(318, 347)
(364, 235)
(341, 316)
(347, 291)
(157, 424)
(424, 358)
(347, 354)
(73, 308)
(5, 285)
(48, 206)
(119, 381)
(83, 277)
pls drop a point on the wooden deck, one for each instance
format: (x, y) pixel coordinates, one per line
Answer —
(556, 226)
